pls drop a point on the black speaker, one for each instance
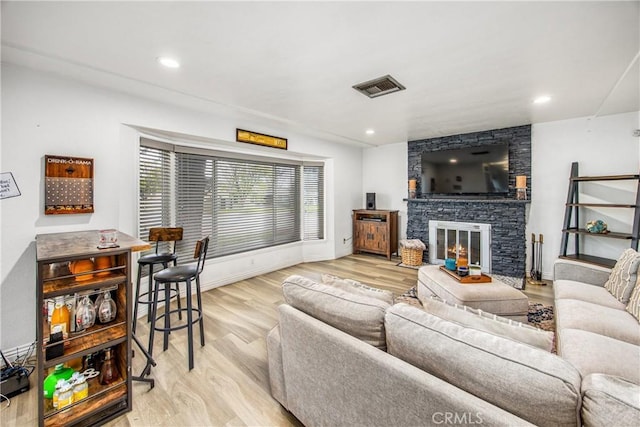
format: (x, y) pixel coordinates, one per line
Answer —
(371, 201)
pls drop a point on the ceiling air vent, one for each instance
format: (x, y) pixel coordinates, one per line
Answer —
(378, 87)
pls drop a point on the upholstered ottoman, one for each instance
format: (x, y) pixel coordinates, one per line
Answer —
(493, 297)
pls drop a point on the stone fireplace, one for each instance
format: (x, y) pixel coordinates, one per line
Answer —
(506, 215)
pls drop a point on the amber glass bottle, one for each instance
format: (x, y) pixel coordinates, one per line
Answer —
(108, 372)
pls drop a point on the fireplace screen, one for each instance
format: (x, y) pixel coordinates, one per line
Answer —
(460, 240)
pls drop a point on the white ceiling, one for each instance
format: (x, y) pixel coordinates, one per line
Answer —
(467, 66)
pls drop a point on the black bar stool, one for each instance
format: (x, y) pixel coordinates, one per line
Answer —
(177, 274)
(171, 235)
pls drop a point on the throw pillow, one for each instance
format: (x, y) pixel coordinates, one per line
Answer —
(356, 287)
(623, 276)
(633, 306)
(357, 315)
(487, 322)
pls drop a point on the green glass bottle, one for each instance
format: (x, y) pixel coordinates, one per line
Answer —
(60, 372)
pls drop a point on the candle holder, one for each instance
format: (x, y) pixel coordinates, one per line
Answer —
(412, 188)
(521, 187)
(521, 193)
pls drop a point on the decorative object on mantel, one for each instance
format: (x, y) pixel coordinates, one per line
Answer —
(412, 188)
(261, 139)
(8, 186)
(521, 187)
(68, 185)
(597, 226)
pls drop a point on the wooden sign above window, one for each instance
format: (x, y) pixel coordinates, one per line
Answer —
(68, 185)
(261, 139)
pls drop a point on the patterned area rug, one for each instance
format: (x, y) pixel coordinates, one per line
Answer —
(540, 316)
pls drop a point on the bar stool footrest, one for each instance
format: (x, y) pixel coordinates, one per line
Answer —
(178, 327)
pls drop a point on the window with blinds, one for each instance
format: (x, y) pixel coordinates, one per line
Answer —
(313, 206)
(243, 203)
(155, 184)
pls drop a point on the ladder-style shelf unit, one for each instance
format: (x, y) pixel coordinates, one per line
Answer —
(573, 226)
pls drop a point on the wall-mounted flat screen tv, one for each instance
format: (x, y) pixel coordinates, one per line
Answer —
(470, 170)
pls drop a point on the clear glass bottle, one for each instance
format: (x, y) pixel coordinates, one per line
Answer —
(65, 398)
(108, 372)
(56, 394)
(80, 388)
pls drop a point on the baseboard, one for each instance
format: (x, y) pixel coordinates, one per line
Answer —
(12, 354)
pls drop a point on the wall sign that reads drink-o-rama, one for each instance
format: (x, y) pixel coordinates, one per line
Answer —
(68, 185)
(261, 139)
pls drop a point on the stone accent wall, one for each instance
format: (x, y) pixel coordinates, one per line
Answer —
(506, 215)
(507, 219)
(519, 139)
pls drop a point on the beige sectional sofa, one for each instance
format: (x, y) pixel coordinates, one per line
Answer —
(345, 357)
(601, 339)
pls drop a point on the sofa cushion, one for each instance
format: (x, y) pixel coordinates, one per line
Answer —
(570, 289)
(526, 381)
(591, 353)
(483, 321)
(633, 306)
(357, 315)
(587, 316)
(356, 287)
(605, 397)
(624, 275)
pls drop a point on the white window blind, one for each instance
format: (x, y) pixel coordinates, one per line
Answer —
(243, 203)
(155, 188)
(313, 206)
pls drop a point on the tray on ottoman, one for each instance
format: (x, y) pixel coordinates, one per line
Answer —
(483, 278)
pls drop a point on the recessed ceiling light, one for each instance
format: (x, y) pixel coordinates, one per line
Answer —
(453, 160)
(168, 62)
(542, 99)
(370, 131)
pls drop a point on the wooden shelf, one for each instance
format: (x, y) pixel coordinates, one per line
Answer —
(80, 413)
(90, 343)
(601, 205)
(611, 234)
(590, 259)
(67, 285)
(605, 178)
(54, 253)
(572, 223)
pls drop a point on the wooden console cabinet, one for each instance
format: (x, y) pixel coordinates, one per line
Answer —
(375, 231)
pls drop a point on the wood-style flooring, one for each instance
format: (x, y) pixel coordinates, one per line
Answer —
(229, 385)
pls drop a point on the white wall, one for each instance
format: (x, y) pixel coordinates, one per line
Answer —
(602, 146)
(46, 114)
(384, 172)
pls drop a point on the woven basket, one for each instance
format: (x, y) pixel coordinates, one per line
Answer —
(411, 256)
